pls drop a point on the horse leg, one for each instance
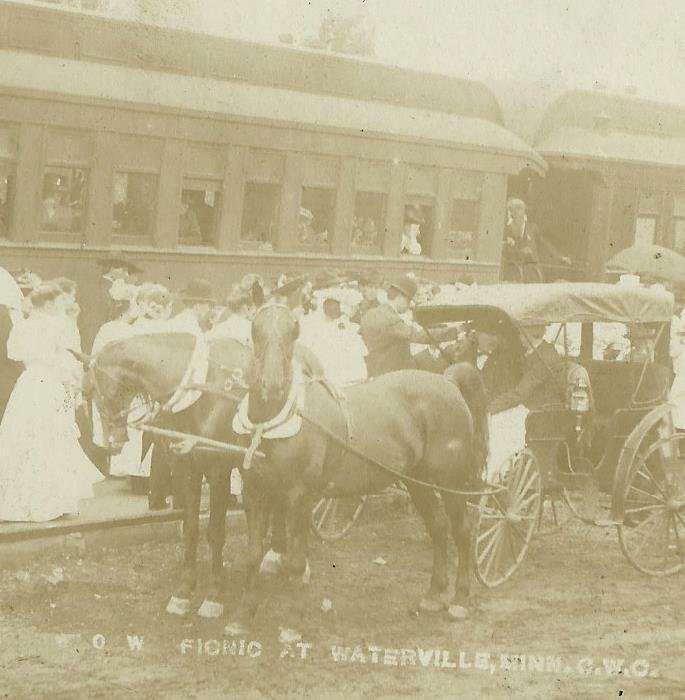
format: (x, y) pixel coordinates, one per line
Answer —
(179, 604)
(272, 563)
(429, 507)
(295, 561)
(218, 477)
(257, 519)
(462, 518)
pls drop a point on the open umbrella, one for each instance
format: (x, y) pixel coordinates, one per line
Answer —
(653, 260)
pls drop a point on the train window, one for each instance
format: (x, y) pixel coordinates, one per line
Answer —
(63, 200)
(7, 187)
(261, 205)
(368, 224)
(463, 228)
(317, 215)
(134, 204)
(200, 208)
(418, 228)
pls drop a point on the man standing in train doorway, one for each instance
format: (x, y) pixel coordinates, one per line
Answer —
(522, 243)
(388, 336)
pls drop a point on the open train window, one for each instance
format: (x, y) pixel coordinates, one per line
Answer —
(63, 200)
(261, 205)
(368, 224)
(200, 209)
(317, 216)
(134, 204)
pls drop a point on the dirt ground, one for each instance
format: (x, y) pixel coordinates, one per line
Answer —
(575, 622)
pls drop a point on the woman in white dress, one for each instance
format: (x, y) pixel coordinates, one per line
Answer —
(44, 473)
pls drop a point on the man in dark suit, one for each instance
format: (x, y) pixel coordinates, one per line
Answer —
(523, 244)
(388, 336)
(543, 381)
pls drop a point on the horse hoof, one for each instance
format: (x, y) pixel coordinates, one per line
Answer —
(289, 636)
(307, 575)
(431, 605)
(178, 606)
(236, 629)
(457, 612)
(271, 563)
(210, 609)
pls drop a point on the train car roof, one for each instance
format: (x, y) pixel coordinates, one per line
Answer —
(239, 101)
(529, 304)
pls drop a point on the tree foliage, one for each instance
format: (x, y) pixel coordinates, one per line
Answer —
(343, 34)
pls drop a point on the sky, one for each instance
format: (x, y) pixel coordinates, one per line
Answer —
(634, 45)
(617, 43)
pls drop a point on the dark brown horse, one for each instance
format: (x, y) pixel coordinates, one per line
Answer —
(416, 423)
(154, 366)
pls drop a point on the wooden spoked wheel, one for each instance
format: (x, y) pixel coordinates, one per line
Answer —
(332, 518)
(652, 534)
(508, 520)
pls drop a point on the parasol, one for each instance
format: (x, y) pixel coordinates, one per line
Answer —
(653, 260)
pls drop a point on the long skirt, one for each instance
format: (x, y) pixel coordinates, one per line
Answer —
(507, 437)
(44, 473)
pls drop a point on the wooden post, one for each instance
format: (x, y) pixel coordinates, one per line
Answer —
(28, 181)
(230, 216)
(492, 215)
(290, 203)
(394, 217)
(344, 207)
(169, 195)
(100, 183)
(443, 212)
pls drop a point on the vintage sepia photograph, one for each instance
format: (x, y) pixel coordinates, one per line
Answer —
(342, 349)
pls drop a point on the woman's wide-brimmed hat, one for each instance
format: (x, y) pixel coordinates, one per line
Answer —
(198, 292)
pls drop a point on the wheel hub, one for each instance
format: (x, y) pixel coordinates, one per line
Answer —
(513, 518)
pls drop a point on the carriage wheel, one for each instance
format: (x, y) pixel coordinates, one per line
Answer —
(332, 518)
(652, 532)
(508, 520)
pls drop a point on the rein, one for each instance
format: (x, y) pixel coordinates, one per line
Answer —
(346, 445)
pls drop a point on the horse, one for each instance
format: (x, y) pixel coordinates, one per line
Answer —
(154, 366)
(411, 425)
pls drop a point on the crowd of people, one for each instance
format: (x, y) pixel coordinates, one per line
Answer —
(358, 327)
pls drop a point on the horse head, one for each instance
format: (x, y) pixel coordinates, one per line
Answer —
(145, 368)
(274, 332)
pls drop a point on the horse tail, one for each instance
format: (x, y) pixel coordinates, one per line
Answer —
(468, 380)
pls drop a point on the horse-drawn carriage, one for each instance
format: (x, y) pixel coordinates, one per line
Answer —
(608, 449)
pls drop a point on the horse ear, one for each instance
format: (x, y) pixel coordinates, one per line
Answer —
(84, 359)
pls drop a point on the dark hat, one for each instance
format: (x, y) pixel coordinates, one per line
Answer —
(115, 262)
(198, 292)
(406, 286)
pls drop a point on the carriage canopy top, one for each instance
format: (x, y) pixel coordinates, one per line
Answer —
(529, 304)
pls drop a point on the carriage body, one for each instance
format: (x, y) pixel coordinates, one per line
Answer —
(614, 458)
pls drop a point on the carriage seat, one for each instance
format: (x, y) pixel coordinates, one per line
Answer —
(615, 384)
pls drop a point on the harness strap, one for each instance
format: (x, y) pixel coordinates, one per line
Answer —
(254, 445)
